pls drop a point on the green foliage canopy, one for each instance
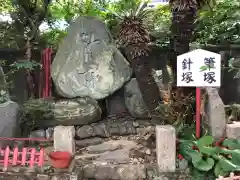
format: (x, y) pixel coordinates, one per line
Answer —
(221, 25)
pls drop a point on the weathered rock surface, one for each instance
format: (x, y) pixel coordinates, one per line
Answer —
(106, 146)
(89, 142)
(9, 122)
(117, 172)
(152, 174)
(124, 172)
(41, 133)
(133, 97)
(87, 63)
(49, 112)
(233, 130)
(116, 103)
(107, 128)
(109, 152)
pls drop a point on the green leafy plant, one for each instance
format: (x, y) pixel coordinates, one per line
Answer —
(5, 78)
(220, 25)
(222, 157)
(204, 68)
(33, 111)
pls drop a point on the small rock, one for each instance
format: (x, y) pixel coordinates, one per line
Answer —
(73, 177)
(104, 172)
(117, 172)
(148, 151)
(101, 129)
(49, 133)
(117, 156)
(233, 130)
(120, 156)
(132, 172)
(41, 133)
(89, 171)
(135, 124)
(134, 160)
(115, 103)
(133, 98)
(85, 131)
(183, 164)
(60, 177)
(89, 142)
(43, 177)
(151, 172)
(106, 128)
(100, 148)
(84, 157)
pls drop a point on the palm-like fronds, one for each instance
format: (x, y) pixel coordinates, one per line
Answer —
(133, 25)
(133, 32)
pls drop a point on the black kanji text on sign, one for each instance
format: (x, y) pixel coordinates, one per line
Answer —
(187, 77)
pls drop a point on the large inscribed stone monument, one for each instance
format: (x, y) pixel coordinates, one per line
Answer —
(87, 63)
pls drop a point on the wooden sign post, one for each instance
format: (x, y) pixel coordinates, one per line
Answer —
(199, 68)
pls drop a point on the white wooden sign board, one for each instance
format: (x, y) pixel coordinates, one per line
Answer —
(199, 68)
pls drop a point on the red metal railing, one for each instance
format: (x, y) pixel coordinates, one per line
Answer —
(30, 156)
(27, 156)
(22, 157)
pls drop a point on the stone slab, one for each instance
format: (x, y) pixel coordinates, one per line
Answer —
(64, 138)
(215, 113)
(166, 148)
(233, 130)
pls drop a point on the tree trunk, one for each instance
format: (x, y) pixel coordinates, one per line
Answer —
(147, 85)
(182, 29)
(181, 34)
(31, 86)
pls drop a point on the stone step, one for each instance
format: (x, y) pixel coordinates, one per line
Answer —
(103, 172)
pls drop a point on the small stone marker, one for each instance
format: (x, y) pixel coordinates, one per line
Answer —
(166, 148)
(216, 117)
(233, 130)
(64, 138)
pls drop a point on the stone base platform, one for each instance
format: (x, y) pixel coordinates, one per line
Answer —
(104, 172)
(116, 158)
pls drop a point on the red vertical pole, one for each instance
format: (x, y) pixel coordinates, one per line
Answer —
(24, 156)
(41, 77)
(198, 114)
(41, 158)
(6, 158)
(15, 156)
(32, 157)
(49, 71)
